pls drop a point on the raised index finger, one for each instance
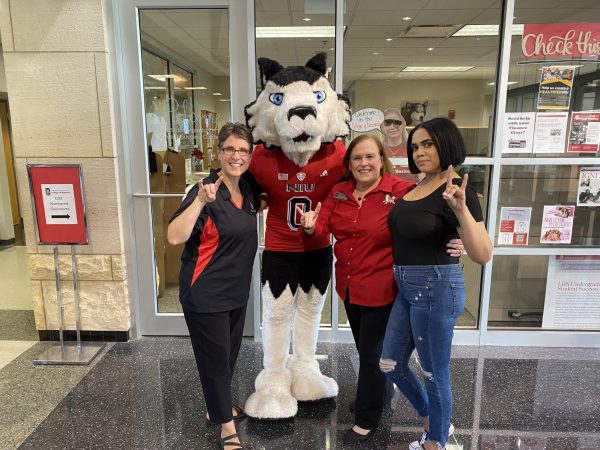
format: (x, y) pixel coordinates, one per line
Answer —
(449, 173)
(318, 208)
(300, 211)
(463, 185)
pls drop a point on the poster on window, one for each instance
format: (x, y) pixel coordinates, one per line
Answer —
(556, 85)
(518, 132)
(588, 191)
(584, 135)
(557, 224)
(514, 226)
(572, 293)
(550, 132)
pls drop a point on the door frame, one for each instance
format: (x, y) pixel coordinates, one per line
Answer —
(125, 20)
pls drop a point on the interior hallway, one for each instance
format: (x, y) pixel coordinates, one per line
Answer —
(145, 394)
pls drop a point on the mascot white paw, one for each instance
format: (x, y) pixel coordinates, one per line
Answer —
(272, 399)
(308, 383)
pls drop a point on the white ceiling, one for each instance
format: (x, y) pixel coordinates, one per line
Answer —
(199, 38)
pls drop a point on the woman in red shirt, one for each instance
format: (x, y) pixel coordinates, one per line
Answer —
(356, 213)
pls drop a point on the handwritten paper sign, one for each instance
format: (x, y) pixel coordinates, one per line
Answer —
(366, 119)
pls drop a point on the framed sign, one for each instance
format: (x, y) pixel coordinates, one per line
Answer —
(58, 203)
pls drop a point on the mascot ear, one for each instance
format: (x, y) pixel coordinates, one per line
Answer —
(267, 68)
(318, 63)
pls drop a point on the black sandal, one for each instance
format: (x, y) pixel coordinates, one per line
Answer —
(230, 445)
(240, 414)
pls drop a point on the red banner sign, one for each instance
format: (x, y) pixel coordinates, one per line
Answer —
(57, 192)
(561, 41)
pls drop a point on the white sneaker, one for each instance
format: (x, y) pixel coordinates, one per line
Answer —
(418, 445)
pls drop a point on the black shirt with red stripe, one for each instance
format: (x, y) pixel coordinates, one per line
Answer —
(216, 263)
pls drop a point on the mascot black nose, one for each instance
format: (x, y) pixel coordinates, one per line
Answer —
(302, 112)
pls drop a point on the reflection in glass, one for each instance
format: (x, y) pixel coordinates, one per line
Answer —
(186, 99)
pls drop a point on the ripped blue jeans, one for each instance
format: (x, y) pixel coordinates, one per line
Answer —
(429, 301)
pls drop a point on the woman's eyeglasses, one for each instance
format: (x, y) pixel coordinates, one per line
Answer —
(231, 150)
(390, 122)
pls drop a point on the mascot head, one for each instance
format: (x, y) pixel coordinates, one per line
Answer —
(297, 109)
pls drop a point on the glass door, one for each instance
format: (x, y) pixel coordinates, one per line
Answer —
(181, 63)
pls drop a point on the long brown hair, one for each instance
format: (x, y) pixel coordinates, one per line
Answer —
(386, 166)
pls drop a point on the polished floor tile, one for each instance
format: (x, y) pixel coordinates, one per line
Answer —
(15, 283)
(146, 395)
(18, 325)
(9, 350)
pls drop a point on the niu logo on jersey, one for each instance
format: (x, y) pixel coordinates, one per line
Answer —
(300, 187)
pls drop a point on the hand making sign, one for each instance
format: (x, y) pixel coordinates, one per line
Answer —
(57, 192)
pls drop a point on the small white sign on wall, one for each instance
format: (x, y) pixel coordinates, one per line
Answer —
(59, 204)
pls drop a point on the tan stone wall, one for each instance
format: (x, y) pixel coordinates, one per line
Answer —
(57, 71)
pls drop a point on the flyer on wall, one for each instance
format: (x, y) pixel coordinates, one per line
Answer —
(550, 132)
(556, 85)
(514, 226)
(572, 293)
(557, 224)
(585, 132)
(588, 191)
(518, 132)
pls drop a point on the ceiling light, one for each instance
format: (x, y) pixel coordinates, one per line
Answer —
(331, 49)
(437, 69)
(155, 88)
(486, 30)
(217, 93)
(199, 88)
(389, 39)
(376, 53)
(406, 18)
(161, 77)
(307, 19)
(295, 32)
(224, 100)
(430, 49)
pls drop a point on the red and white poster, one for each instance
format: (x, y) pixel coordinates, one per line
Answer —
(57, 192)
(561, 41)
(584, 136)
(514, 226)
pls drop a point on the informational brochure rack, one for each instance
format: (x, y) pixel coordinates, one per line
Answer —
(59, 210)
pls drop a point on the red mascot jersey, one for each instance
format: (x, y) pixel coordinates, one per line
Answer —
(288, 185)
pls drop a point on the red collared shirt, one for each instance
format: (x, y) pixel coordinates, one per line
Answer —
(363, 247)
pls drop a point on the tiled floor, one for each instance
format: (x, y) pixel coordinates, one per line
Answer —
(15, 283)
(145, 395)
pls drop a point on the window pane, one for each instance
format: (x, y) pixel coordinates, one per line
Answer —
(411, 60)
(543, 187)
(531, 79)
(550, 292)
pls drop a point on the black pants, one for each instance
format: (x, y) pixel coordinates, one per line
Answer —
(216, 340)
(368, 325)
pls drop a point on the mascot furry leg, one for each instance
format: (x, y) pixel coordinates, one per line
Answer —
(273, 399)
(308, 384)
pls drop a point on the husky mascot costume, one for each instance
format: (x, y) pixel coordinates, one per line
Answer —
(296, 120)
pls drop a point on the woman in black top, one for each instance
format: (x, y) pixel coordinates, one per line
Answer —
(431, 284)
(217, 222)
